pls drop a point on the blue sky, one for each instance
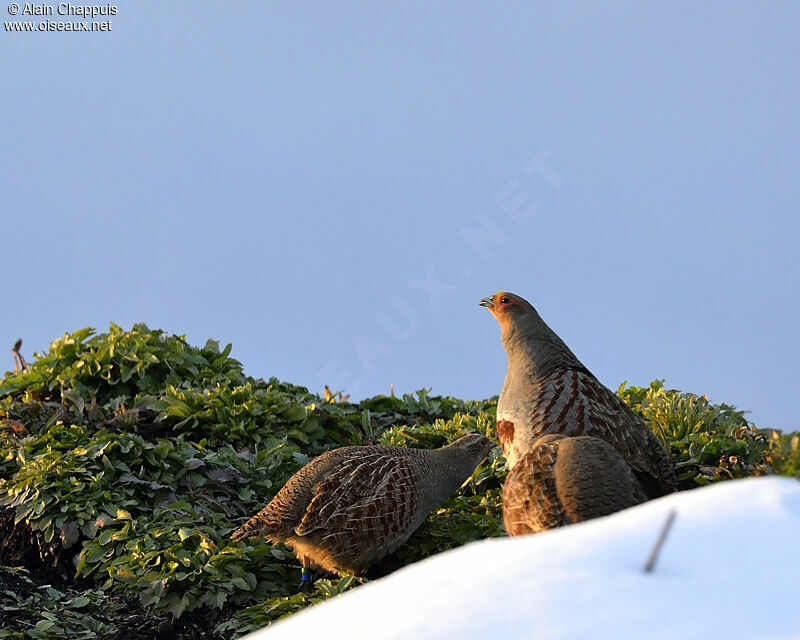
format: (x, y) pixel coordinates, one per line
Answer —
(332, 187)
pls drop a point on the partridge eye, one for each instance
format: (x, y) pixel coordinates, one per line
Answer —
(504, 300)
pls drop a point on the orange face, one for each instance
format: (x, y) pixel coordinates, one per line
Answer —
(503, 305)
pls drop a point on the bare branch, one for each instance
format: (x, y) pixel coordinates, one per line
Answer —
(19, 361)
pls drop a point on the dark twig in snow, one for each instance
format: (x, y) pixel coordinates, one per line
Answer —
(651, 560)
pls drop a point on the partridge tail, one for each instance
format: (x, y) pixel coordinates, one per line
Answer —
(256, 526)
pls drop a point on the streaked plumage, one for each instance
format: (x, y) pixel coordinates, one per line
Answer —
(572, 402)
(350, 507)
(563, 480)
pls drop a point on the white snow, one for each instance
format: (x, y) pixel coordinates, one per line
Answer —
(730, 567)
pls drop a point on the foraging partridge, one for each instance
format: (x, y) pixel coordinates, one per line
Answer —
(564, 480)
(350, 507)
(547, 390)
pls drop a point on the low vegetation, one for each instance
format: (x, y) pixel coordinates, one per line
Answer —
(128, 457)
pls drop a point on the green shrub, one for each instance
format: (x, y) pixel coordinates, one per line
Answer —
(707, 442)
(128, 457)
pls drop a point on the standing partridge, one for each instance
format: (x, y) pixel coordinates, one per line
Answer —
(352, 506)
(547, 390)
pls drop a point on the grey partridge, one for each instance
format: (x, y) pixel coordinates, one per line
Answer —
(352, 506)
(547, 390)
(564, 480)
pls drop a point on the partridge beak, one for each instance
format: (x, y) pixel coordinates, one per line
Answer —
(486, 302)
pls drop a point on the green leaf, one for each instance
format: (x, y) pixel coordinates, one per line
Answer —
(241, 583)
(296, 434)
(105, 537)
(93, 553)
(194, 463)
(22, 512)
(178, 609)
(80, 601)
(74, 399)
